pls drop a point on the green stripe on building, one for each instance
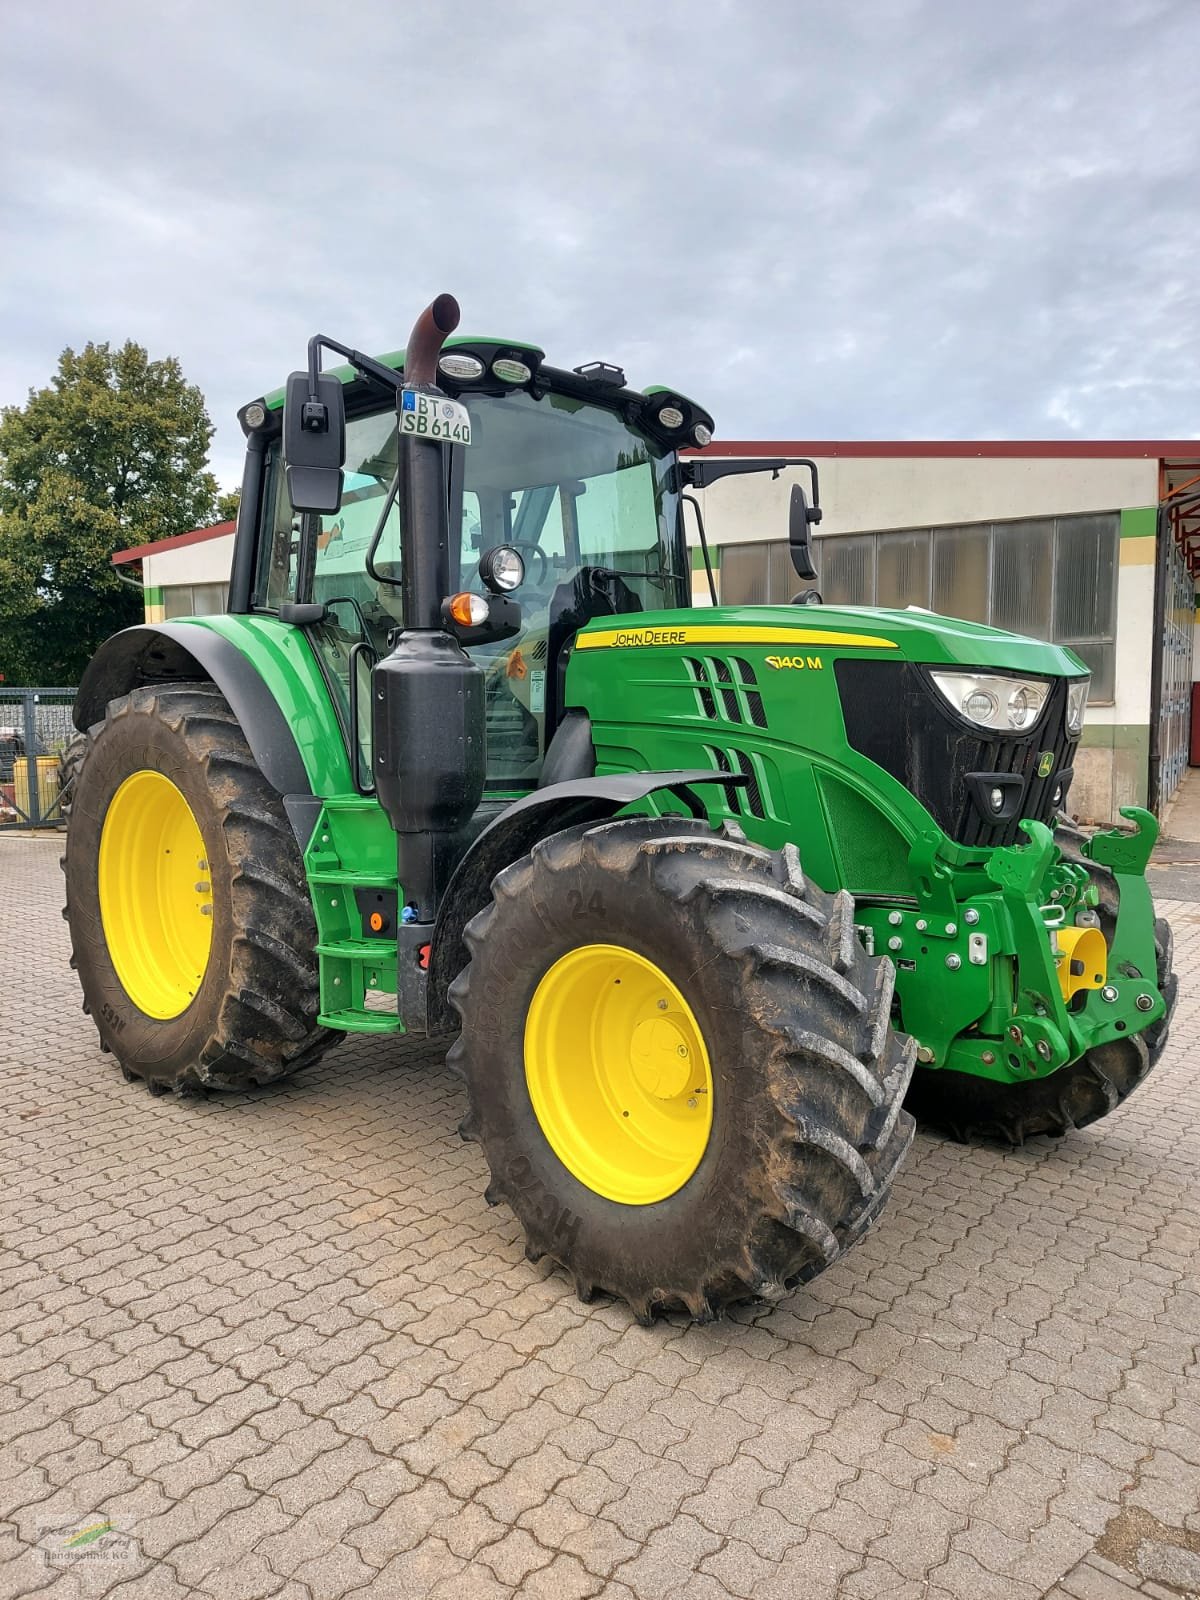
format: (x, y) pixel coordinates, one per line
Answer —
(1139, 522)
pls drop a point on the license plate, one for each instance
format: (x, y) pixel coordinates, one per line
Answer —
(432, 416)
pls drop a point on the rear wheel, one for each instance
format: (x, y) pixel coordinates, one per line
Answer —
(191, 927)
(679, 1062)
(971, 1109)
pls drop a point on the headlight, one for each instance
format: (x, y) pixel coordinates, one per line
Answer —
(1011, 705)
(1076, 705)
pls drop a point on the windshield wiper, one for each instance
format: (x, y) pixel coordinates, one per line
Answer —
(660, 578)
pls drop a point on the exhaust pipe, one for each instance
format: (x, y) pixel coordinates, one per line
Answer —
(427, 696)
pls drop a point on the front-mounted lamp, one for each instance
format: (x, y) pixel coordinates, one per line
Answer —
(1007, 705)
(1077, 696)
(502, 569)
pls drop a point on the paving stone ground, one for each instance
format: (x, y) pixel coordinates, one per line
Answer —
(282, 1345)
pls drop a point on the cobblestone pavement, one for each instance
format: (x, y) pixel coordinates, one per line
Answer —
(282, 1345)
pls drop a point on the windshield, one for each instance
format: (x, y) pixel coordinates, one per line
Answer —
(572, 488)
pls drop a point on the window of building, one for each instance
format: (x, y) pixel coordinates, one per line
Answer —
(1049, 577)
(195, 599)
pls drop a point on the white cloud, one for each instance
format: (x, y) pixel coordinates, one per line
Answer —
(898, 218)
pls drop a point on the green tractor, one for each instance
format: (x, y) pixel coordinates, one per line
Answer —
(710, 895)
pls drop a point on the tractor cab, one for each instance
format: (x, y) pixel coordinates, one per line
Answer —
(575, 477)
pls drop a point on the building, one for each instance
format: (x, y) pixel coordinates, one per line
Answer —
(1086, 543)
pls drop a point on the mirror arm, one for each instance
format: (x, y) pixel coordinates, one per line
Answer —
(699, 474)
(366, 365)
(690, 499)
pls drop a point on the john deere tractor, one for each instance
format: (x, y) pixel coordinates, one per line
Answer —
(698, 889)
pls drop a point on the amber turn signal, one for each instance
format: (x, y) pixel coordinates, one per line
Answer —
(468, 610)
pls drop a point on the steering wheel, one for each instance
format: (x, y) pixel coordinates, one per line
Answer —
(523, 545)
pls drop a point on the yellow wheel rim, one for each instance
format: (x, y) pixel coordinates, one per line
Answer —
(618, 1074)
(155, 895)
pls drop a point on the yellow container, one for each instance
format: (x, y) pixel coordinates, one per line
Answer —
(47, 787)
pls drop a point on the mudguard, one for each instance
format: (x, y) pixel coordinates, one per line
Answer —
(514, 833)
(171, 652)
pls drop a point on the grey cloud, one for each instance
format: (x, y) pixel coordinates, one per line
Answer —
(902, 218)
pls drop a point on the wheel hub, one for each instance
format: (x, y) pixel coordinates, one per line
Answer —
(155, 892)
(618, 1074)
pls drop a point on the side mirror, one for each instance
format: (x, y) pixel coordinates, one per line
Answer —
(314, 441)
(801, 517)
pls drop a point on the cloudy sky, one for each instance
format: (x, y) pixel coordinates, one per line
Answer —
(885, 219)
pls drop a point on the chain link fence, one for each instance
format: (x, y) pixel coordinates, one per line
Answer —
(35, 729)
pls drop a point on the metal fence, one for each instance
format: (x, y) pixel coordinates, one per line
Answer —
(35, 729)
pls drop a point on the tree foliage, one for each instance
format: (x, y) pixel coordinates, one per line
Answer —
(227, 505)
(111, 454)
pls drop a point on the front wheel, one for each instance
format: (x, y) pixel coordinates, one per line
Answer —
(679, 1062)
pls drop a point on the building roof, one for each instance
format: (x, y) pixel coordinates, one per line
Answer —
(950, 449)
(175, 542)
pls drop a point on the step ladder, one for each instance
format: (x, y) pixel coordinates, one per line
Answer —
(355, 965)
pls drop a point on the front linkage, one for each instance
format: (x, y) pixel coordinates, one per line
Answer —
(993, 976)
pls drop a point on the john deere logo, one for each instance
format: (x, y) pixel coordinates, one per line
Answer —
(1045, 763)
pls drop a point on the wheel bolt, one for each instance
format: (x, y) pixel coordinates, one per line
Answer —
(1144, 1002)
(1108, 993)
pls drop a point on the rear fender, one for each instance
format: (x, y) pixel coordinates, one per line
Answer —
(514, 833)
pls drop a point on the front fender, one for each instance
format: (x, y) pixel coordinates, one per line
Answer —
(514, 833)
(265, 669)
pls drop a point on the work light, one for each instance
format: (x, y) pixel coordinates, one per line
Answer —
(502, 568)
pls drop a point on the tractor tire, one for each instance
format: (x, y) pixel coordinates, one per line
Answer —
(69, 762)
(217, 941)
(976, 1110)
(797, 1078)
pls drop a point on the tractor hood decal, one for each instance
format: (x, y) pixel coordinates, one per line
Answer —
(710, 633)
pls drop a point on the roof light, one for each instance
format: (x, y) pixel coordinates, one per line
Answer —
(702, 434)
(255, 414)
(457, 364)
(670, 417)
(509, 370)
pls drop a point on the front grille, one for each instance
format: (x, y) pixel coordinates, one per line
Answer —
(897, 718)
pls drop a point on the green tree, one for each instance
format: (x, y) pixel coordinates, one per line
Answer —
(111, 454)
(227, 505)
